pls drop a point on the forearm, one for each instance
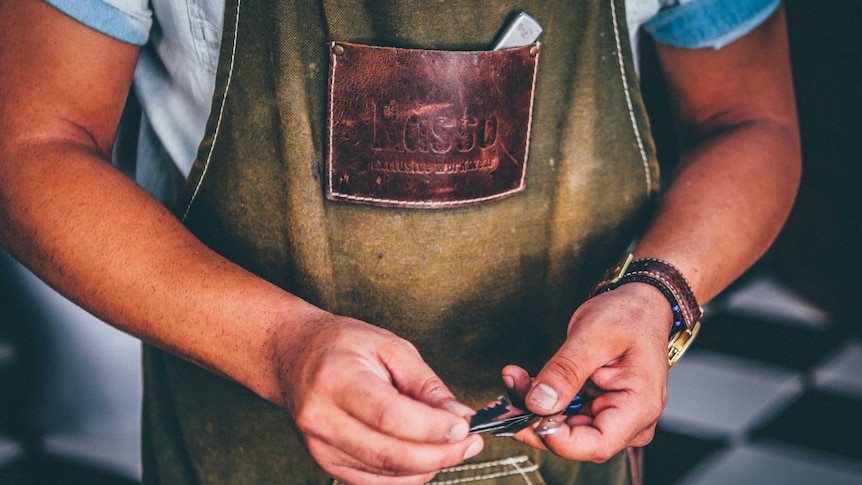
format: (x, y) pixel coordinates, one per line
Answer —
(723, 209)
(740, 157)
(89, 231)
(106, 244)
(727, 203)
(102, 241)
(738, 176)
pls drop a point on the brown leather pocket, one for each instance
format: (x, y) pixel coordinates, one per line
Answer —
(428, 128)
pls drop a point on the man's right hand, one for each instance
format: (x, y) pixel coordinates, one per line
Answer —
(369, 408)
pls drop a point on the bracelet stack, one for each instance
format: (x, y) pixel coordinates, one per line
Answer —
(664, 276)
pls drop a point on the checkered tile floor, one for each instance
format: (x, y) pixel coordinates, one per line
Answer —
(770, 394)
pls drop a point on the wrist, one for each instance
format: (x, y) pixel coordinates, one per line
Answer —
(673, 286)
(286, 327)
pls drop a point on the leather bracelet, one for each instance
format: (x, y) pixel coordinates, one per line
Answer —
(674, 287)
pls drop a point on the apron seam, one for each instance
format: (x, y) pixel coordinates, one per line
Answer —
(513, 462)
(509, 473)
(331, 120)
(530, 118)
(430, 204)
(220, 114)
(628, 96)
(487, 464)
(523, 472)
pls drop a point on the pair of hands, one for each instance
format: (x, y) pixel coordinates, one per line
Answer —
(372, 411)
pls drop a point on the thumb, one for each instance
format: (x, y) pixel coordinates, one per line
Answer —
(559, 380)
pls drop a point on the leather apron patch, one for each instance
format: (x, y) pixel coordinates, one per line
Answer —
(428, 128)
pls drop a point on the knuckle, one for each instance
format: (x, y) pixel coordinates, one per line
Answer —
(602, 455)
(390, 461)
(434, 388)
(655, 413)
(644, 438)
(317, 450)
(399, 347)
(564, 368)
(306, 421)
(309, 415)
(652, 409)
(378, 417)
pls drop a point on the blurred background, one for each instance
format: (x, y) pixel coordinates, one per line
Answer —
(771, 392)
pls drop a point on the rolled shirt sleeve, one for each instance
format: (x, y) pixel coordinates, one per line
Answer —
(712, 24)
(126, 20)
(174, 79)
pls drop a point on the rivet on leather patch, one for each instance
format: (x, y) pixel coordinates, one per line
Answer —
(428, 129)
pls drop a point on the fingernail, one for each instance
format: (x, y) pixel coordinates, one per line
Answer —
(543, 397)
(474, 449)
(458, 432)
(460, 409)
(509, 382)
(433, 393)
(549, 426)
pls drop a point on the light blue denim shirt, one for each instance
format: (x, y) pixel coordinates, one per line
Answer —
(175, 77)
(174, 80)
(708, 23)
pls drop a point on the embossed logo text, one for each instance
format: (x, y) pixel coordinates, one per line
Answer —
(429, 129)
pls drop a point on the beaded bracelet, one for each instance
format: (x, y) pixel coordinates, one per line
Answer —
(664, 276)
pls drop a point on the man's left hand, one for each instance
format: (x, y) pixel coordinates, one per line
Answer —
(616, 351)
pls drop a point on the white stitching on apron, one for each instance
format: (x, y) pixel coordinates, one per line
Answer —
(516, 471)
(220, 114)
(513, 462)
(629, 98)
(524, 471)
(333, 71)
(487, 464)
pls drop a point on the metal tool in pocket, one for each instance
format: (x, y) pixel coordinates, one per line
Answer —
(522, 30)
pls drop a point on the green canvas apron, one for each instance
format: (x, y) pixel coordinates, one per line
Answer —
(474, 288)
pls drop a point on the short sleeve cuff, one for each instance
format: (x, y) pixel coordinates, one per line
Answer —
(121, 24)
(709, 23)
